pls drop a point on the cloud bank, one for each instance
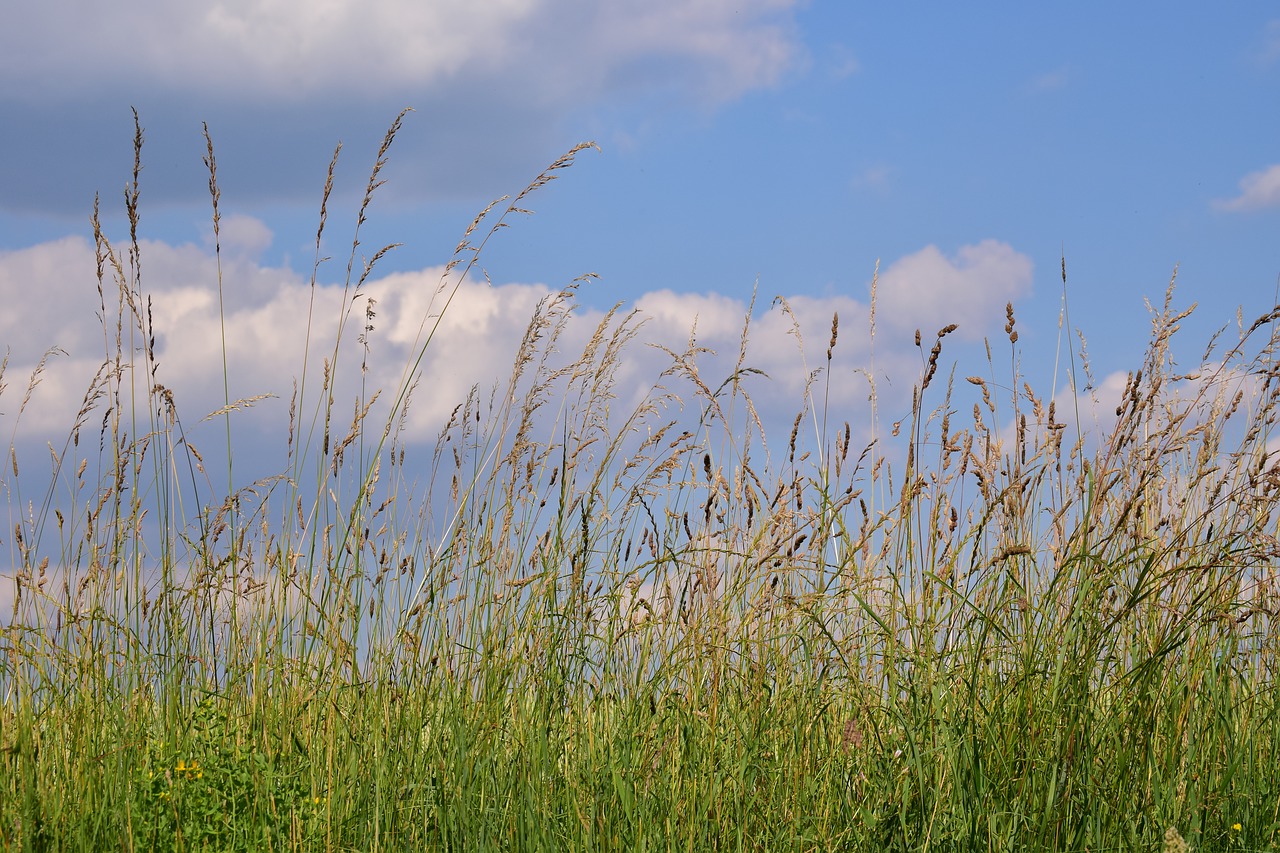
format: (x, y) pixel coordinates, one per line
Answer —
(285, 49)
(270, 314)
(497, 87)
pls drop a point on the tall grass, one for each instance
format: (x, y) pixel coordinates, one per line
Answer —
(569, 625)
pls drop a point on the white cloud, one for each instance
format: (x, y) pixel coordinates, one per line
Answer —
(928, 290)
(37, 284)
(786, 347)
(1090, 410)
(242, 235)
(268, 316)
(718, 317)
(273, 49)
(1257, 190)
(269, 311)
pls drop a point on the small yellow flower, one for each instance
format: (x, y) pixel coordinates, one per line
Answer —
(1237, 827)
(190, 770)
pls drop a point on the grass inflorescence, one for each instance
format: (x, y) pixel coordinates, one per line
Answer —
(568, 625)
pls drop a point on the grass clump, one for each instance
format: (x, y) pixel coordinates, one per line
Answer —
(573, 626)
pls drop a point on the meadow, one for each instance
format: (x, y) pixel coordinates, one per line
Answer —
(568, 625)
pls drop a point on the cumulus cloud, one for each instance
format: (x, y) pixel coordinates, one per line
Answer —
(276, 326)
(1089, 410)
(270, 315)
(717, 317)
(928, 290)
(274, 49)
(243, 235)
(785, 340)
(38, 284)
(1257, 190)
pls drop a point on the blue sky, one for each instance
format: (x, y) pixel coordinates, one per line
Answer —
(782, 145)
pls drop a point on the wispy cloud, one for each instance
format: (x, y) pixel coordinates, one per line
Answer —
(841, 63)
(1257, 190)
(875, 177)
(1269, 52)
(1050, 81)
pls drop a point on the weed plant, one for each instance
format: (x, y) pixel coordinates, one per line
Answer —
(568, 626)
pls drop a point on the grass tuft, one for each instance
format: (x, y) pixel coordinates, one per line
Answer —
(570, 625)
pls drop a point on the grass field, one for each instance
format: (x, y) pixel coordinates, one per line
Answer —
(563, 626)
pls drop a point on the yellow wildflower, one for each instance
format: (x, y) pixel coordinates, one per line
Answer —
(190, 770)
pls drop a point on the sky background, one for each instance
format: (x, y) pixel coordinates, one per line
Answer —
(778, 146)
